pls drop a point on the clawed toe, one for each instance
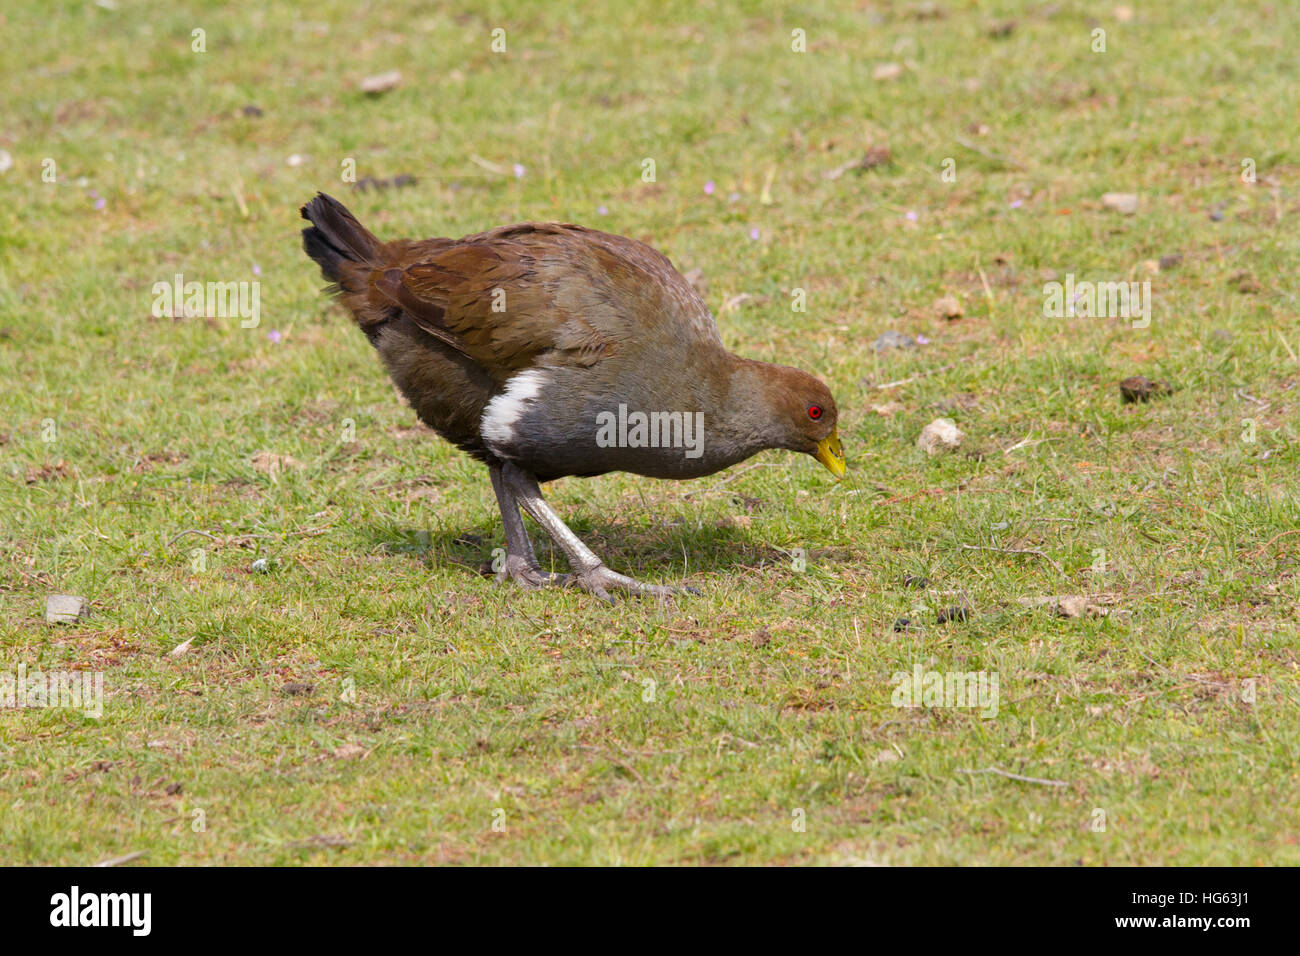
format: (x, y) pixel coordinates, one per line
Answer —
(600, 580)
(529, 576)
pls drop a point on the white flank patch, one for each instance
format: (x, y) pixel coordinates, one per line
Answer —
(505, 410)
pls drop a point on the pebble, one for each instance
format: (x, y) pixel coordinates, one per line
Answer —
(940, 435)
(64, 608)
(1123, 203)
(381, 82)
(1139, 388)
(893, 339)
(949, 308)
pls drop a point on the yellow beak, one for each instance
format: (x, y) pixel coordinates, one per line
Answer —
(831, 454)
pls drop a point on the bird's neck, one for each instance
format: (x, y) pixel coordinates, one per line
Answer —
(745, 409)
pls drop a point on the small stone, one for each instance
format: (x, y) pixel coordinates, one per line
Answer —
(251, 110)
(269, 463)
(259, 566)
(1244, 283)
(371, 182)
(1065, 605)
(1124, 203)
(949, 308)
(6, 161)
(916, 581)
(1139, 388)
(1071, 605)
(298, 689)
(180, 650)
(902, 624)
(1170, 261)
(887, 71)
(893, 339)
(381, 82)
(761, 638)
(294, 159)
(888, 409)
(952, 614)
(940, 435)
(888, 755)
(64, 608)
(876, 156)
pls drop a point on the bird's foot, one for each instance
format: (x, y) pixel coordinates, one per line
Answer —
(600, 580)
(528, 575)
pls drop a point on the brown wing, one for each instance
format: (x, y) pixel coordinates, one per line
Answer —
(502, 302)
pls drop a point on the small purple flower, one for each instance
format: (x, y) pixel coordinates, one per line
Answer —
(922, 340)
(1017, 203)
(257, 270)
(911, 216)
(602, 210)
(709, 187)
(274, 335)
(754, 233)
(734, 197)
(93, 194)
(101, 203)
(519, 171)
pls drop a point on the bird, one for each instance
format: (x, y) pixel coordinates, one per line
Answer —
(547, 350)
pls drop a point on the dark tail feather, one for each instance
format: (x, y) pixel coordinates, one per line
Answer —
(335, 237)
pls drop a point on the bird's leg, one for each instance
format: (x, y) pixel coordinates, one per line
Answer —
(521, 563)
(589, 572)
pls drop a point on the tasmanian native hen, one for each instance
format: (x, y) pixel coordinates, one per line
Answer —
(547, 349)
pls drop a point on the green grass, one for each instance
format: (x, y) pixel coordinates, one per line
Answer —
(771, 690)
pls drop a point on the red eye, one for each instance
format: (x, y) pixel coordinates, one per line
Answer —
(814, 412)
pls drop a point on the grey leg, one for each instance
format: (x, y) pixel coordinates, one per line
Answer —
(521, 563)
(590, 572)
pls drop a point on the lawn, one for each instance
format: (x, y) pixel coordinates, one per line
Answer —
(302, 660)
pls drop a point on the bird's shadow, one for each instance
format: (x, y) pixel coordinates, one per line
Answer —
(663, 551)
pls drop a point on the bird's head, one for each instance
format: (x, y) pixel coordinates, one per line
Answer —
(806, 418)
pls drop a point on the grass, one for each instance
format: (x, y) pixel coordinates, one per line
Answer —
(450, 720)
